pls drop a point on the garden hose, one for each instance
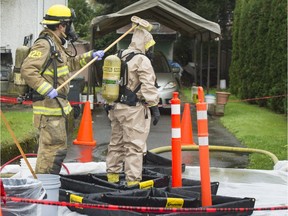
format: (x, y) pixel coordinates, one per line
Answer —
(190, 147)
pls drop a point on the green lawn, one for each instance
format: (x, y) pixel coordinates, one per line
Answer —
(20, 123)
(258, 128)
(255, 127)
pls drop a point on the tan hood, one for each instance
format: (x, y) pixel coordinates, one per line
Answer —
(141, 40)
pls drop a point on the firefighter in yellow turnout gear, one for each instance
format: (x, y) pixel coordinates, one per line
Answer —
(130, 120)
(50, 108)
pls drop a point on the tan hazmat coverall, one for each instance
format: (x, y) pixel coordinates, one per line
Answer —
(131, 124)
(50, 114)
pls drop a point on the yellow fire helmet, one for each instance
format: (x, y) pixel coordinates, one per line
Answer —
(57, 14)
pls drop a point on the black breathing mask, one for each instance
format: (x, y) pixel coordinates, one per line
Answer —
(150, 53)
(70, 32)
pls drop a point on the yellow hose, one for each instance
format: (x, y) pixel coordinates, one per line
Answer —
(217, 148)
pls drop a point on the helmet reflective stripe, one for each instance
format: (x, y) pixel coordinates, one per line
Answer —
(56, 14)
(40, 110)
(44, 88)
(61, 71)
(149, 44)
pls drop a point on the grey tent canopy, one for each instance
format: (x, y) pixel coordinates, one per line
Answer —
(167, 12)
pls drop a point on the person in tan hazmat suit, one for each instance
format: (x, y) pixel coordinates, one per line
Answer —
(130, 124)
(50, 108)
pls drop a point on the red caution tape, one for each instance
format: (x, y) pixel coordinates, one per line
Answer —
(4, 99)
(21, 100)
(142, 209)
(2, 192)
(11, 100)
(260, 98)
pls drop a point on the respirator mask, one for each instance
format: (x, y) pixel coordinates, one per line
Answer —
(150, 53)
(70, 30)
(71, 35)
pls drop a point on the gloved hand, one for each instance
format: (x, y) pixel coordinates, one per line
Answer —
(52, 94)
(156, 113)
(107, 108)
(99, 53)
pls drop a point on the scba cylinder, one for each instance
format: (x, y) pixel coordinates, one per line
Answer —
(111, 78)
(20, 84)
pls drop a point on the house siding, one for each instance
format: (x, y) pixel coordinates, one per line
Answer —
(20, 18)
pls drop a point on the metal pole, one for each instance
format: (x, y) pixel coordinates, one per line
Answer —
(208, 66)
(218, 63)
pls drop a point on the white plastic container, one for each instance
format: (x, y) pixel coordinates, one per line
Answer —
(223, 84)
(210, 102)
(24, 171)
(210, 99)
(90, 99)
(51, 183)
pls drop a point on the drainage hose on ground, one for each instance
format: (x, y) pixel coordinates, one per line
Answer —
(184, 147)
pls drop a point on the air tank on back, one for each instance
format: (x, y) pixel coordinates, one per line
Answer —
(111, 78)
(20, 85)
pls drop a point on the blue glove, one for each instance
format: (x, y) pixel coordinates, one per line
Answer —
(52, 94)
(99, 53)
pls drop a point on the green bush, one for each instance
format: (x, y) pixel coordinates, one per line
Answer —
(259, 56)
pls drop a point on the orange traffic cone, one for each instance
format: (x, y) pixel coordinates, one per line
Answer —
(186, 127)
(85, 135)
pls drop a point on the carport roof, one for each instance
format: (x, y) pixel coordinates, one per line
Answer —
(166, 12)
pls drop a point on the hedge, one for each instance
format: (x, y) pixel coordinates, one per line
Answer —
(259, 57)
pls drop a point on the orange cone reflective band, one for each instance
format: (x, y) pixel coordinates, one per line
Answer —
(85, 135)
(204, 162)
(176, 141)
(186, 127)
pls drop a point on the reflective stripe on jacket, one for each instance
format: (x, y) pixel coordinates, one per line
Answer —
(40, 110)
